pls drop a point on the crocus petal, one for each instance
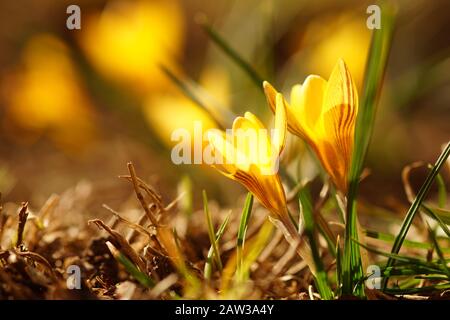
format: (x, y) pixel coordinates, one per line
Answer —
(252, 142)
(279, 136)
(263, 152)
(223, 147)
(337, 124)
(306, 102)
(250, 116)
(271, 95)
(341, 91)
(323, 113)
(265, 185)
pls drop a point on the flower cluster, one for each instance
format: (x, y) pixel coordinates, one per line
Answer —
(322, 113)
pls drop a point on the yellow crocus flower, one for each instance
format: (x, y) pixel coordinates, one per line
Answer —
(250, 157)
(323, 113)
(249, 161)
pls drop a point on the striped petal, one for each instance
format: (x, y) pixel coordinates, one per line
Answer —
(341, 92)
(323, 113)
(337, 124)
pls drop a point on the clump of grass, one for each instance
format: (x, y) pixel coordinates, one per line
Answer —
(156, 262)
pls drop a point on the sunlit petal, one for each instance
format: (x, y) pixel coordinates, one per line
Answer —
(306, 101)
(271, 94)
(340, 89)
(279, 136)
(225, 150)
(324, 115)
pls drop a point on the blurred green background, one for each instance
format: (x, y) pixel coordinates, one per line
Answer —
(76, 105)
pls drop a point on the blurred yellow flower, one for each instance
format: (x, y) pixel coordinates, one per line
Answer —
(45, 94)
(168, 111)
(129, 39)
(324, 114)
(343, 37)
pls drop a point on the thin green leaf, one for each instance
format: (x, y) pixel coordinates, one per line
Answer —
(398, 291)
(185, 203)
(442, 192)
(259, 243)
(374, 74)
(436, 277)
(408, 243)
(141, 277)
(211, 232)
(405, 259)
(416, 205)
(432, 235)
(408, 283)
(233, 54)
(338, 267)
(193, 283)
(306, 209)
(209, 259)
(243, 225)
(436, 217)
(375, 69)
(409, 270)
(190, 91)
(442, 214)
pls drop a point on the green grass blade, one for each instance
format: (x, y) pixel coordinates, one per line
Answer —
(436, 217)
(407, 243)
(259, 243)
(397, 257)
(210, 256)
(185, 204)
(243, 225)
(435, 277)
(375, 69)
(437, 287)
(222, 118)
(211, 232)
(338, 267)
(374, 74)
(432, 235)
(407, 265)
(416, 205)
(408, 283)
(441, 214)
(411, 270)
(306, 209)
(233, 54)
(330, 241)
(442, 191)
(141, 277)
